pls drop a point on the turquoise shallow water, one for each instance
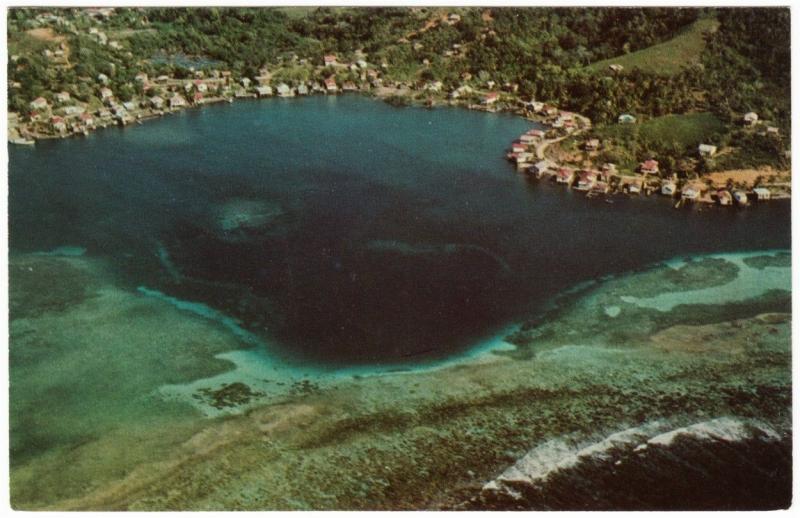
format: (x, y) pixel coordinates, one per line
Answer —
(343, 230)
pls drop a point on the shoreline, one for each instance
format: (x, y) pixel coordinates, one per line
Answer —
(621, 184)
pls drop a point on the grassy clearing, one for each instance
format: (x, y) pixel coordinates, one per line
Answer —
(686, 130)
(669, 57)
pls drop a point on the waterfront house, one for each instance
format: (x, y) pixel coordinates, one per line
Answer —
(586, 180)
(537, 106)
(649, 167)
(130, 105)
(565, 175)
(62, 97)
(608, 169)
(691, 191)
(750, 118)
(489, 98)
(461, 90)
(284, 90)
(264, 91)
(435, 86)
(592, 144)
(518, 147)
(40, 103)
(635, 186)
(741, 198)
(302, 89)
(58, 124)
(330, 84)
(197, 98)
(540, 168)
(86, 119)
(724, 197)
(330, 60)
(626, 118)
(157, 102)
(177, 101)
(106, 94)
(668, 188)
(600, 188)
(707, 150)
(536, 133)
(762, 193)
(527, 139)
(349, 86)
(245, 82)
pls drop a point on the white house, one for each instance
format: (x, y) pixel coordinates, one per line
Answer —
(707, 150)
(750, 118)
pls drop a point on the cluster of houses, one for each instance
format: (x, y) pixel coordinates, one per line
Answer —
(608, 180)
(64, 115)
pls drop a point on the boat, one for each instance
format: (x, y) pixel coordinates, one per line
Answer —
(22, 141)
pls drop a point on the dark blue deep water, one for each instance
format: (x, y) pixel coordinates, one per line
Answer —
(371, 234)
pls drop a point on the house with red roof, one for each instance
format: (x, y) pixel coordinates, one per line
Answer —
(40, 103)
(565, 175)
(330, 84)
(649, 167)
(330, 60)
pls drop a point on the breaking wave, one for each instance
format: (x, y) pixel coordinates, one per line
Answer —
(722, 464)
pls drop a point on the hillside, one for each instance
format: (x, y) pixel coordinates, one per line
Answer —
(670, 57)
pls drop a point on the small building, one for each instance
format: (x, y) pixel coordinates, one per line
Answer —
(106, 94)
(284, 90)
(565, 175)
(600, 187)
(197, 98)
(177, 101)
(157, 102)
(102, 79)
(750, 118)
(616, 68)
(245, 82)
(649, 167)
(608, 169)
(724, 197)
(626, 118)
(129, 105)
(549, 111)
(330, 84)
(86, 119)
(264, 91)
(691, 191)
(586, 180)
(762, 194)
(635, 186)
(362, 64)
(537, 106)
(536, 133)
(141, 77)
(434, 86)
(489, 98)
(58, 124)
(330, 60)
(668, 188)
(592, 144)
(527, 139)
(302, 89)
(349, 86)
(541, 168)
(40, 103)
(741, 198)
(707, 150)
(200, 86)
(772, 131)
(518, 147)
(62, 97)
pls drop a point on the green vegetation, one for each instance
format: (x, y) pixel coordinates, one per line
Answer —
(678, 62)
(670, 57)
